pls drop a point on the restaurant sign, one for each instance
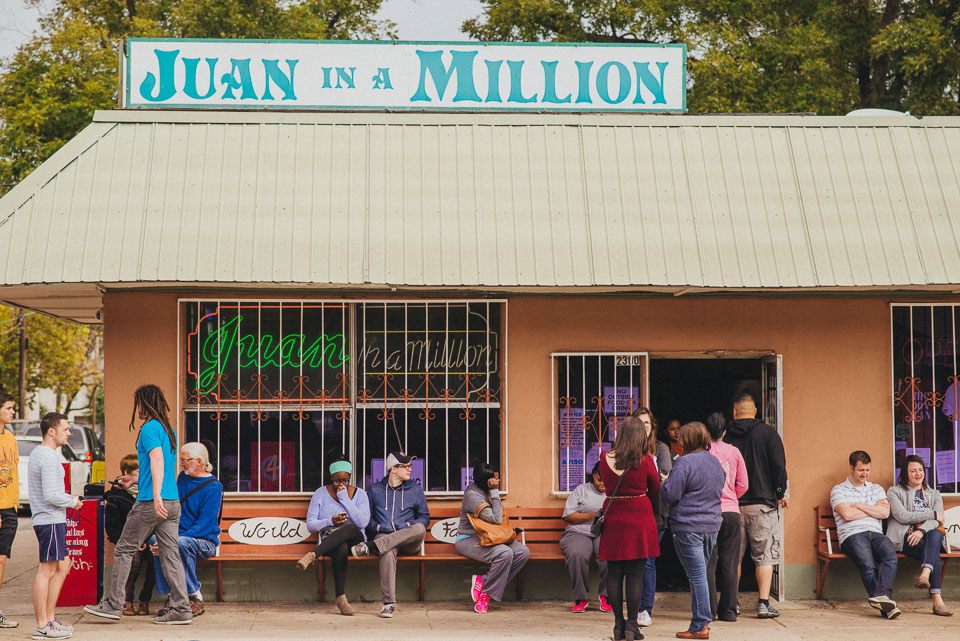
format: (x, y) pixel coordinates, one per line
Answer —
(422, 76)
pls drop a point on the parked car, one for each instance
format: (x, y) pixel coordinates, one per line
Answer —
(79, 471)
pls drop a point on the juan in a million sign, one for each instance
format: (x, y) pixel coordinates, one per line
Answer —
(230, 74)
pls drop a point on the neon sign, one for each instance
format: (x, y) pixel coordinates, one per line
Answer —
(266, 350)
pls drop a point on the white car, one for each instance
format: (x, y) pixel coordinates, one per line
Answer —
(79, 472)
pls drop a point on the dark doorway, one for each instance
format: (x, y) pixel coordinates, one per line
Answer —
(689, 389)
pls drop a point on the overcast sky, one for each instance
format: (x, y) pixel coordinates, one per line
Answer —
(416, 20)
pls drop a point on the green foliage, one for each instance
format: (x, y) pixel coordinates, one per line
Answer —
(61, 355)
(51, 86)
(826, 56)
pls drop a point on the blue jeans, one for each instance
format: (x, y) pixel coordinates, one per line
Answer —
(649, 591)
(694, 550)
(927, 551)
(190, 551)
(874, 556)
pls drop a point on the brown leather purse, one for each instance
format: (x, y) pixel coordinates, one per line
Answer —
(491, 534)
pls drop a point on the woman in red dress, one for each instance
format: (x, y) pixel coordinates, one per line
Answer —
(630, 530)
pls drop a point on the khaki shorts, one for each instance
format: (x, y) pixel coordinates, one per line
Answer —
(762, 528)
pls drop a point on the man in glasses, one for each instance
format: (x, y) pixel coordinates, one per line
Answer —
(398, 522)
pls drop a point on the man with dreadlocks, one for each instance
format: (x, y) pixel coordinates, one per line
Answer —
(157, 511)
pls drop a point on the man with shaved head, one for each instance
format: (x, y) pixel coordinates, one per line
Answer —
(762, 524)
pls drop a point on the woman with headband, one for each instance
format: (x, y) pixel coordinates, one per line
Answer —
(339, 512)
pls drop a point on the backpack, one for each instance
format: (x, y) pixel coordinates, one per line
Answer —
(117, 505)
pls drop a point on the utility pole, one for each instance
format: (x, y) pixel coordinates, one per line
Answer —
(22, 401)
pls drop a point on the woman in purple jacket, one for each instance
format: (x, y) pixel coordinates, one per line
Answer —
(692, 491)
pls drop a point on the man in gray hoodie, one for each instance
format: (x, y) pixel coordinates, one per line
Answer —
(398, 522)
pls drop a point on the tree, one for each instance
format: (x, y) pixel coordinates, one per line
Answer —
(826, 56)
(62, 356)
(52, 85)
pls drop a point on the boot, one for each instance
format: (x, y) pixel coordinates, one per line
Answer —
(631, 630)
(128, 610)
(345, 608)
(307, 560)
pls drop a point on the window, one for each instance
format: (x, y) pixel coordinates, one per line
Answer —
(926, 396)
(276, 390)
(592, 393)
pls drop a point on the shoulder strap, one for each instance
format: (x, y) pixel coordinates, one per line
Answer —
(476, 513)
(616, 487)
(198, 488)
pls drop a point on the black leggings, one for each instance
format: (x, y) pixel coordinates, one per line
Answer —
(632, 571)
(337, 546)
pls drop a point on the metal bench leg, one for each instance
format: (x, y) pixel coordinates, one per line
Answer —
(420, 594)
(520, 585)
(321, 578)
(219, 582)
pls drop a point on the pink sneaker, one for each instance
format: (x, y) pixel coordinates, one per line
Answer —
(483, 603)
(579, 607)
(477, 588)
(605, 605)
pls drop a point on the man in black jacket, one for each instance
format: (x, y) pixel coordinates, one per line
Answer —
(762, 523)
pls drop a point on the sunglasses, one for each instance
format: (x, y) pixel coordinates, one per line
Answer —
(406, 466)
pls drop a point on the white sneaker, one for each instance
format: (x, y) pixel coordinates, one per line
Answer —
(644, 620)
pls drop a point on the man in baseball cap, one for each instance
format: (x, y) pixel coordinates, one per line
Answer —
(398, 522)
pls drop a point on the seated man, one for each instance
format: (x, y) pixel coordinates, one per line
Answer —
(859, 507)
(579, 545)
(201, 496)
(398, 522)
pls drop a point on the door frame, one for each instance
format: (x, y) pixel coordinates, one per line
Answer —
(767, 357)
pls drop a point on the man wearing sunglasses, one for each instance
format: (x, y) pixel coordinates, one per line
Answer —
(398, 522)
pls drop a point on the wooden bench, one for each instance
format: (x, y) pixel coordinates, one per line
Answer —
(828, 549)
(541, 531)
(234, 551)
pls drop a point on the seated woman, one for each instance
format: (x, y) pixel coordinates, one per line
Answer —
(201, 496)
(579, 544)
(482, 499)
(339, 512)
(915, 526)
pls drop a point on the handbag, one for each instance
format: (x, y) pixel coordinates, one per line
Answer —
(491, 534)
(596, 528)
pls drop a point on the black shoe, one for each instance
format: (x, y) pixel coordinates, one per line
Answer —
(632, 631)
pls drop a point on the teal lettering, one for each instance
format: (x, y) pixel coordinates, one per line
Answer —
(516, 79)
(493, 80)
(238, 78)
(647, 79)
(461, 65)
(346, 78)
(583, 81)
(190, 80)
(326, 77)
(165, 87)
(284, 82)
(382, 79)
(550, 82)
(603, 81)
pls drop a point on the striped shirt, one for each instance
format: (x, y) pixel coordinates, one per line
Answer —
(48, 501)
(867, 494)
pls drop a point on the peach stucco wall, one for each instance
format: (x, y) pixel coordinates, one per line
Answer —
(836, 365)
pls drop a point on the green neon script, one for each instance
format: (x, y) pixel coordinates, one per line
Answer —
(292, 350)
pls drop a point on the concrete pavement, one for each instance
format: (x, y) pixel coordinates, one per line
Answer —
(444, 620)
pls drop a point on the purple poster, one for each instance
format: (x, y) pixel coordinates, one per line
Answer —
(620, 400)
(377, 472)
(593, 455)
(946, 467)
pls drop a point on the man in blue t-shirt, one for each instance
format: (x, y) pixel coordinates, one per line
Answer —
(157, 511)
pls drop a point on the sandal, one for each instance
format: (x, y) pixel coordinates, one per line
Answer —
(942, 611)
(923, 582)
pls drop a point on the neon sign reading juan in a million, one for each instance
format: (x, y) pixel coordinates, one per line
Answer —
(259, 350)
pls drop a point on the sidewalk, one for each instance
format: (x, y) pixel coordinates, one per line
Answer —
(442, 621)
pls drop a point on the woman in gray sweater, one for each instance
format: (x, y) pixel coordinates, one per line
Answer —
(915, 526)
(482, 499)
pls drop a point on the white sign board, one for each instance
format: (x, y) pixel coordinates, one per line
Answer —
(322, 75)
(446, 530)
(951, 520)
(269, 530)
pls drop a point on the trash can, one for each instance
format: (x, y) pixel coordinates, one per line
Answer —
(84, 584)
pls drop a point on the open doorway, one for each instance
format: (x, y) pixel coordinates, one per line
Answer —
(689, 389)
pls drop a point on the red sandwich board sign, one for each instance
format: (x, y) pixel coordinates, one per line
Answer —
(84, 584)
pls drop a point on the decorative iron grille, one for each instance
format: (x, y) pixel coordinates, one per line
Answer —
(276, 389)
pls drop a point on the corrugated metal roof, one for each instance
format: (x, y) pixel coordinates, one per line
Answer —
(467, 200)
